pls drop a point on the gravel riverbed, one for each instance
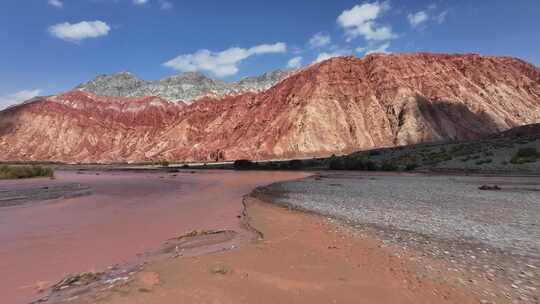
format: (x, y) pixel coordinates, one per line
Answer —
(492, 234)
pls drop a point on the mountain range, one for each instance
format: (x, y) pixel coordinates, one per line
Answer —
(186, 87)
(338, 106)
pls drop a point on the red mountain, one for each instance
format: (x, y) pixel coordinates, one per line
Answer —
(337, 106)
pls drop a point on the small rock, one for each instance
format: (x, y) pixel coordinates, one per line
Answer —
(220, 269)
(489, 188)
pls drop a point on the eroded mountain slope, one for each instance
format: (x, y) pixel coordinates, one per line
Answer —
(338, 106)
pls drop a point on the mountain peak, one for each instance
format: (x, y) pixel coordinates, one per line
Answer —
(187, 86)
(187, 76)
(124, 74)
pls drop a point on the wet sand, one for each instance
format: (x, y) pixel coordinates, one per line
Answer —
(120, 216)
(300, 259)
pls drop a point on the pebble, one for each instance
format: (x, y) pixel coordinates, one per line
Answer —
(440, 218)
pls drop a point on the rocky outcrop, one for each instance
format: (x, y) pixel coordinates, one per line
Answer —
(186, 87)
(338, 106)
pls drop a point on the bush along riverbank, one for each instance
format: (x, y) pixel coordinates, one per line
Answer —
(19, 172)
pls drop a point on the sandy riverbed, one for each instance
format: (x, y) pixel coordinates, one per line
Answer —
(301, 259)
(109, 218)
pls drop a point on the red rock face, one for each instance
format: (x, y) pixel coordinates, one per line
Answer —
(338, 106)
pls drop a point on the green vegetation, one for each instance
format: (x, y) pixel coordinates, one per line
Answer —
(465, 149)
(436, 157)
(411, 167)
(471, 157)
(352, 163)
(164, 163)
(389, 167)
(295, 164)
(18, 172)
(484, 161)
(525, 155)
(374, 153)
(244, 164)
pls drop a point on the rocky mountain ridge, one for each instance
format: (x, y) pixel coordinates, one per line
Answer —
(338, 106)
(185, 87)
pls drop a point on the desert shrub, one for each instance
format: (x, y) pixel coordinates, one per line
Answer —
(244, 164)
(352, 163)
(374, 153)
(269, 166)
(164, 163)
(525, 155)
(371, 166)
(18, 172)
(484, 161)
(411, 167)
(436, 157)
(527, 152)
(470, 157)
(294, 164)
(389, 167)
(336, 164)
(465, 149)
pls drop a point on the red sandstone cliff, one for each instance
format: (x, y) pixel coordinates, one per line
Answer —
(340, 105)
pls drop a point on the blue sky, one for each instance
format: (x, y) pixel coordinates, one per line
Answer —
(49, 46)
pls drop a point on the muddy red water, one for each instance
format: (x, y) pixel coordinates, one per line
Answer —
(126, 214)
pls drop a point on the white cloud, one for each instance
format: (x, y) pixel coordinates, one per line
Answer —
(418, 18)
(441, 17)
(431, 14)
(295, 62)
(324, 56)
(16, 98)
(361, 21)
(319, 40)
(165, 5)
(79, 31)
(361, 49)
(140, 2)
(221, 64)
(383, 48)
(56, 3)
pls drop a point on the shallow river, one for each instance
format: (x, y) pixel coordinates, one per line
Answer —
(108, 218)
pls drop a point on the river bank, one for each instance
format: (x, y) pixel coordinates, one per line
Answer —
(300, 258)
(488, 240)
